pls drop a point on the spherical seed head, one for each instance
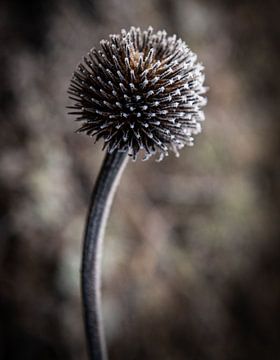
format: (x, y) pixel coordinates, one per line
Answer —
(141, 90)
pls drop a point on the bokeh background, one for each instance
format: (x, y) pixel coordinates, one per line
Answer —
(192, 255)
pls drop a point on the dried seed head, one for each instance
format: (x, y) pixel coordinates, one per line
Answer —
(142, 90)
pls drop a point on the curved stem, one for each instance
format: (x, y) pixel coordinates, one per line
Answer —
(101, 200)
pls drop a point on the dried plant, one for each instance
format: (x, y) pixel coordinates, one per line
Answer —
(142, 91)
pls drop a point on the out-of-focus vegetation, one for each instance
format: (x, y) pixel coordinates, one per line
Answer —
(191, 267)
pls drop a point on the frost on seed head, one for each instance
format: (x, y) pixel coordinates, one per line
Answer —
(141, 90)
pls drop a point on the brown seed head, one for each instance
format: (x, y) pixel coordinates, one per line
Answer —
(141, 90)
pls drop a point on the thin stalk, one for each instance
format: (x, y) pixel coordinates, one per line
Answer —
(101, 200)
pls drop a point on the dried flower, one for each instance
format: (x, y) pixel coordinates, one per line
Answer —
(142, 90)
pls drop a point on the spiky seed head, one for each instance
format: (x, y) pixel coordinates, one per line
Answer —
(141, 90)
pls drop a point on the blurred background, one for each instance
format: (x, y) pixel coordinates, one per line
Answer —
(192, 255)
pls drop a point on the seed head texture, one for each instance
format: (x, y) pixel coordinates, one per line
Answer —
(141, 91)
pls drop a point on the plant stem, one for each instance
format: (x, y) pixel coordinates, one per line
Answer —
(101, 200)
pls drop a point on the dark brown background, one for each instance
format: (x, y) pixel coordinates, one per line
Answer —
(191, 262)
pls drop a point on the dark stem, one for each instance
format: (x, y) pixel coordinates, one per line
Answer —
(101, 200)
